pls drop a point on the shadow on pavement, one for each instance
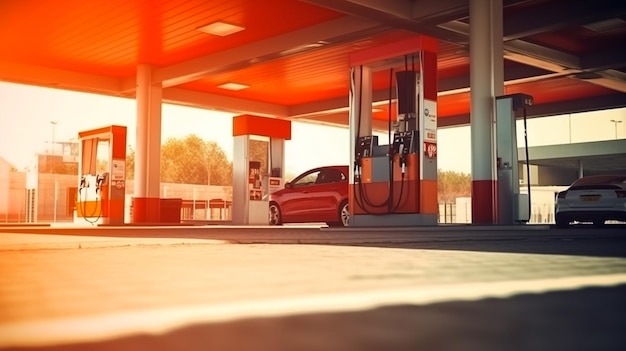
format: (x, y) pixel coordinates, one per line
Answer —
(583, 240)
(586, 319)
(571, 246)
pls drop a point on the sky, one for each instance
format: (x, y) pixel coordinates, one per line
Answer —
(31, 117)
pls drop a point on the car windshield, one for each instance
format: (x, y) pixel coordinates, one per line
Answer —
(604, 179)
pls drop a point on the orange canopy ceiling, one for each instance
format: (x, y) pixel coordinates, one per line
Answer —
(293, 55)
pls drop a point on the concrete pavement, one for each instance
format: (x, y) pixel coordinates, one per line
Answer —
(172, 292)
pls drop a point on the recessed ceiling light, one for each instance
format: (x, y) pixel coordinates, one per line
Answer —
(221, 28)
(233, 86)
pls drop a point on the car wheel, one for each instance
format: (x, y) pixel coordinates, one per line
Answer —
(561, 222)
(344, 214)
(275, 217)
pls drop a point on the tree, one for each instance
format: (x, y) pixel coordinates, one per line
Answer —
(220, 170)
(194, 161)
(190, 160)
(451, 185)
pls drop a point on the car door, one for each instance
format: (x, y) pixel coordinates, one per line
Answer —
(300, 204)
(327, 195)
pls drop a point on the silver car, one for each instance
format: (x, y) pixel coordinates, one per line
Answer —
(593, 199)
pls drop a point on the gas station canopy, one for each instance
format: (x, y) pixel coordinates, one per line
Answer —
(289, 58)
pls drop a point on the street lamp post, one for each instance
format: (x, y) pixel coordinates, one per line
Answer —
(615, 122)
(56, 185)
(54, 125)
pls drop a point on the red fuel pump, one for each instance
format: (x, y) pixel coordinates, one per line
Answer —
(395, 184)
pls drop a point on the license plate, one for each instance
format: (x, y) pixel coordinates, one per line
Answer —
(590, 198)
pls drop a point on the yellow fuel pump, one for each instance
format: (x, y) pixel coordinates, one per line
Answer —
(102, 176)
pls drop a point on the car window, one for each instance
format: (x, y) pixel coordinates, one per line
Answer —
(330, 175)
(306, 179)
(344, 176)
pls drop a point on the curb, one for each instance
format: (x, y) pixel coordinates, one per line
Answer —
(20, 242)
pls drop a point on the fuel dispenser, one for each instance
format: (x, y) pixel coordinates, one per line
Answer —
(513, 206)
(395, 183)
(102, 178)
(258, 166)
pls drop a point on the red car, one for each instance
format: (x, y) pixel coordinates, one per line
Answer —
(317, 195)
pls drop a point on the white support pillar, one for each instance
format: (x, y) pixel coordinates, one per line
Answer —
(360, 108)
(497, 50)
(148, 148)
(486, 82)
(241, 199)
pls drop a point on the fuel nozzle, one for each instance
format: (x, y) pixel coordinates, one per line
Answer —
(83, 182)
(400, 148)
(357, 172)
(100, 181)
(403, 157)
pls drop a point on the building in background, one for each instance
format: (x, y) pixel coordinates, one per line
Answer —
(47, 191)
(12, 193)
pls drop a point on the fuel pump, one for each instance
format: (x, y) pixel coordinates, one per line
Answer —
(258, 166)
(513, 206)
(385, 174)
(394, 184)
(101, 186)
